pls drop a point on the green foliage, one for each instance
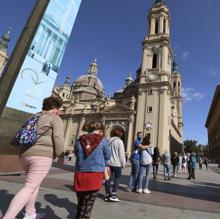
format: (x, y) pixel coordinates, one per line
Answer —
(192, 145)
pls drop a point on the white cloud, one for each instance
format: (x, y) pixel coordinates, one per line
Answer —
(190, 94)
(177, 47)
(184, 55)
(215, 72)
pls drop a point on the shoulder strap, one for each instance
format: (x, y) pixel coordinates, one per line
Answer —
(149, 152)
(113, 141)
(43, 133)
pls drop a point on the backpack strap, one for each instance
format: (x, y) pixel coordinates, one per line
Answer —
(113, 141)
(148, 152)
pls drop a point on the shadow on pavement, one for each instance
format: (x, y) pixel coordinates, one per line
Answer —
(48, 211)
(62, 203)
(208, 184)
(70, 187)
(6, 197)
(195, 190)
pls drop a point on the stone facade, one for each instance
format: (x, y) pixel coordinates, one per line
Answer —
(5, 39)
(212, 124)
(152, 103)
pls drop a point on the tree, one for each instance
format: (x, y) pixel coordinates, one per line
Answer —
(190, 145)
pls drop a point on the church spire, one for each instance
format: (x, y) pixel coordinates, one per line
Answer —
(5, 39)
(93, 68)
(68, 80)
(159, 1)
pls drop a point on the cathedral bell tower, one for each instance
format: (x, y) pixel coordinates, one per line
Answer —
(153, 98)
(176, 81)
(5, 39)
(157, 54)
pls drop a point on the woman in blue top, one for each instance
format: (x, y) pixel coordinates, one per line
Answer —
(135, 163)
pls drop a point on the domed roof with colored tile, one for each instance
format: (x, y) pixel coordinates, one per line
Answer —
(90, 79)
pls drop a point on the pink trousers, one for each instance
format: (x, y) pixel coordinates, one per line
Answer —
(36, 169)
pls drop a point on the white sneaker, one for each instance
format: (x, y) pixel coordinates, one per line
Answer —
(31, 216)
(35, 216)
(139, 191)
(146, 191)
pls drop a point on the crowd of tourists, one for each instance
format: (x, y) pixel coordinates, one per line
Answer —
(41, 139)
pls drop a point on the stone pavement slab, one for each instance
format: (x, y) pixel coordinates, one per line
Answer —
(59, 204)
(178, 198)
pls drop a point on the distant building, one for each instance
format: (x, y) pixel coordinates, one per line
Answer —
(63, 90)
(151, 103)
(5, 39)
(213, 126)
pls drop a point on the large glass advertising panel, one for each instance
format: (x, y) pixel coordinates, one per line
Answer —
(40, 68)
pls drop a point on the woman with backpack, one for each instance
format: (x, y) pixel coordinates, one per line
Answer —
(92, 152)
(145, 161)
(37, 159)
(116, 163)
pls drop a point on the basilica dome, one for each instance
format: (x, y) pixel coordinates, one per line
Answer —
(90, 81)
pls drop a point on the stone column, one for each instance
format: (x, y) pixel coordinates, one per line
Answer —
(140, 111)
(67, 132)
(161, 24)
(130, 135)
(163, 129)
(82, 121)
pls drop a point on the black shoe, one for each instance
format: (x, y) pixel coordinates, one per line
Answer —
(169, 178)
(107, 198)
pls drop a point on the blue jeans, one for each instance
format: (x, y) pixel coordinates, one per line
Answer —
(147, 177)
(116, 171)
(166, 170)
(155, 169)
(174, 170)
(135, 168)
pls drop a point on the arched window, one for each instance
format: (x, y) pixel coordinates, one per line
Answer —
(174, 85)
(154, 63)
(164, 25)
(156, 26)
(178, 86)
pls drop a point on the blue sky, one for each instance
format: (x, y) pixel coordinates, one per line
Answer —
(113, 30)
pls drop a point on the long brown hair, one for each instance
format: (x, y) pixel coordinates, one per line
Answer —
(146, 140)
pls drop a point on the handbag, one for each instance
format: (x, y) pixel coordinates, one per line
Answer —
(107, 173)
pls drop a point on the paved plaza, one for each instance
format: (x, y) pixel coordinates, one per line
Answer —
(175, 199)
